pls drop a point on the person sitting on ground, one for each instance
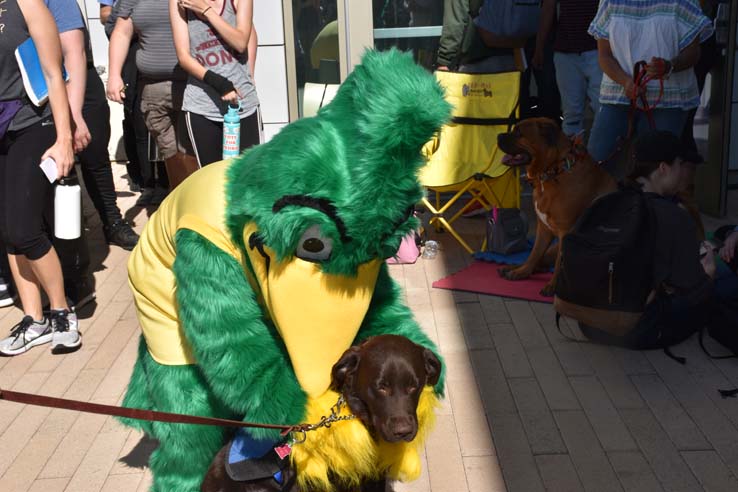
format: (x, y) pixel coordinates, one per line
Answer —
(682, 278)
(665, 34)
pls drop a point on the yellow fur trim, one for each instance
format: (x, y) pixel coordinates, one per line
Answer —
(348, 451)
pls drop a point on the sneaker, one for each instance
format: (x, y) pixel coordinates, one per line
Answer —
(159, 195)
(65, 327)
(147, 195)
(25, 335)
(121, 234)
(6, 296)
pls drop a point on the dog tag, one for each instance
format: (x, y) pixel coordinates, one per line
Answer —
(283, 451)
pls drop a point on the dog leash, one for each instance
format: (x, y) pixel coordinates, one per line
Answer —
(171, 418)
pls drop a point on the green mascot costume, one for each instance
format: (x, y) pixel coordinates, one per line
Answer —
(255, 275)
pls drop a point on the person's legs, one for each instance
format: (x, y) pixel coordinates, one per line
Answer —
(610, 125)
(206, 137)
(96, 168)
(665, 119)
(591, 66)
(573, 87)
(549, 100)
(251, 130)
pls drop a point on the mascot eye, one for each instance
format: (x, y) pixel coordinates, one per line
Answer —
(314, 246)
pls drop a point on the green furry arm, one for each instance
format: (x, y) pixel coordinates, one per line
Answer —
(242, 357)
(389, 315)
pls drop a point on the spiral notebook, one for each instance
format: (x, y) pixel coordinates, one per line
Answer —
(33, 75)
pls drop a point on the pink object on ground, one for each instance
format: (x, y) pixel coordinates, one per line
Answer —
(482, 277)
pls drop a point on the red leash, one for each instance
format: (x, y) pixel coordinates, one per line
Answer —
(640, 81)
(135, 413)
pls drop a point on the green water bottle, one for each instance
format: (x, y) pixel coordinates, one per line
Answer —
(231, 132)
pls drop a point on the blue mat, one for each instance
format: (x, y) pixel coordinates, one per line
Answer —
(512, 259)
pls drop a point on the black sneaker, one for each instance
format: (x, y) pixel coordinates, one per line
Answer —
(147, 197)
(121, 234)
(6, 296)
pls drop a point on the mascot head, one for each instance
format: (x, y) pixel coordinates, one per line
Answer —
(319, 207)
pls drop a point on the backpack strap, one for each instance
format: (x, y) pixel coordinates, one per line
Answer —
(670, 354)
(704, 349)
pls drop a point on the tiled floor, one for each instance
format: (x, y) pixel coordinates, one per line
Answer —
(526, 409)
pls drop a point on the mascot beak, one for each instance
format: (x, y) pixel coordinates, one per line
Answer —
(317, 315)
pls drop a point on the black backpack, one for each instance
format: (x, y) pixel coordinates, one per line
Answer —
(606, 270)
(607, 275)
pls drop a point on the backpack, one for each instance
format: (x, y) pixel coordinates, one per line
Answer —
(510, 18)
(606, 272)
(507, 231)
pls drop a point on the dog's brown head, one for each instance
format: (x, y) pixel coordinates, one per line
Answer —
(535, 142)
(382, 380)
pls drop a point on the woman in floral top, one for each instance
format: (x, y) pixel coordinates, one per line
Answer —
(667, 35)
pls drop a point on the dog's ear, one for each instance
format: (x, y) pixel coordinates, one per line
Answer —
(345, 367)
(432, 367)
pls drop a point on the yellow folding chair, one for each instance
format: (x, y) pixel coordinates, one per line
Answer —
(463, 159)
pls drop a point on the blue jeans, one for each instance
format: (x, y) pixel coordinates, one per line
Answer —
(611, 124)
(578, 76)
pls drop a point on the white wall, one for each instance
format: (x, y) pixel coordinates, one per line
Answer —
(271, 70)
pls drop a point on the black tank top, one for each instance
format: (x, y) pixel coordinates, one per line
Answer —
(14, 32)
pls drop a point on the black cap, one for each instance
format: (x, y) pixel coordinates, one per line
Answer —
(658, 146)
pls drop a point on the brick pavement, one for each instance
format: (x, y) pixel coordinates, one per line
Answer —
(526, 409)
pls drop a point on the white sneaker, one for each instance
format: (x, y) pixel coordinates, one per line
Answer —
(26, 335)
(6, 295)
(65, 327)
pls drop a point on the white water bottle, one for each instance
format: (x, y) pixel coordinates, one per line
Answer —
(68, 208)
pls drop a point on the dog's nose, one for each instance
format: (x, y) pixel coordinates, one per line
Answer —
(402, 428)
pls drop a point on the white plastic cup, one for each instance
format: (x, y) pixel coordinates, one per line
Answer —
(430, 250)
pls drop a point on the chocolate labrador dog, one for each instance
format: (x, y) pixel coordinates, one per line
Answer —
(565, 181)
(381, 380)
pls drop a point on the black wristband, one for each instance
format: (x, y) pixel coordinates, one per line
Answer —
(221, 84)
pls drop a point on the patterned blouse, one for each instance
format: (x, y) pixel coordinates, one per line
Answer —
(641, 29)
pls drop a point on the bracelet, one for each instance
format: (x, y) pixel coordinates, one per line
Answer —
(204, 11)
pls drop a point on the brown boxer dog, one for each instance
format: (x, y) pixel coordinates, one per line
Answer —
(565, 182)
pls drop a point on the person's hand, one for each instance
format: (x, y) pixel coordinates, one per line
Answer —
(63, 154)
(232, 97)
(116, 90)
(442, 68)
(632, 91)
(198, 7)
(727, 252)
(658, 68)
(537, 60)
(82, 135)
(708, 260)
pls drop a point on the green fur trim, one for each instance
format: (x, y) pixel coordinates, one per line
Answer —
(239, 353)
(361, 152)
(389, 315)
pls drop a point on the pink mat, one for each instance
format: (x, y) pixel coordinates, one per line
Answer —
(482, 277)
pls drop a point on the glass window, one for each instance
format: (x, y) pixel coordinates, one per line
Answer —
(316, 44)
(410, 25)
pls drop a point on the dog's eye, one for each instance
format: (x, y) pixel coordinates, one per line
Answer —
(314, 245)
(383, 388)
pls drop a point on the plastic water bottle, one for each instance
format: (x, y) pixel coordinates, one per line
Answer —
(430, 250)
(68, 208)
(231, 133)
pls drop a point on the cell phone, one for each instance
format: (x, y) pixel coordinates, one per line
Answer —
(48, 166)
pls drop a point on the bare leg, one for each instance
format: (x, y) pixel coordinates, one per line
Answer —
(31, 275)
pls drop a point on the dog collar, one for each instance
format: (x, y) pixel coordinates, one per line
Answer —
(567, 165)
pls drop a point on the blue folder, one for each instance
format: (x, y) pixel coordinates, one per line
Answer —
(33, 75)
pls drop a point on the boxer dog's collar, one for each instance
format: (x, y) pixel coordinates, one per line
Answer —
(576, 152)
